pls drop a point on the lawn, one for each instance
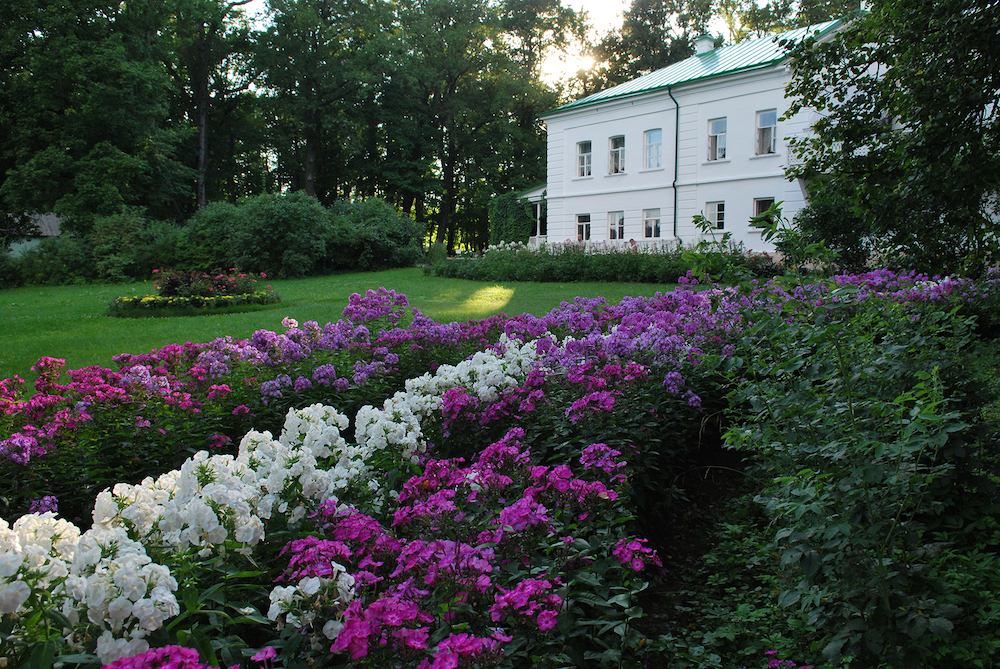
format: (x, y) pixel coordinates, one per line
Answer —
(69, 322)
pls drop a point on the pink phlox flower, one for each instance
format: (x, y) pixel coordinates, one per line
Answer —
(265, 655)
(165, 657)
(635, 553)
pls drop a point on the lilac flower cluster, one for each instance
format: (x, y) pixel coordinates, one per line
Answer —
(602, 457)
(376, 304)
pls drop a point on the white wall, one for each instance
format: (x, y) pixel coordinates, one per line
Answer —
(737, 180)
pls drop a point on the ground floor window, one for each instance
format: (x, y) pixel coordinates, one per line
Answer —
(715, 212)
(582, 227)
(651, 223)
(762, 204)
(616, 225)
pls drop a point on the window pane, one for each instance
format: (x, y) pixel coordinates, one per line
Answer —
(718, 126)
(767, 118)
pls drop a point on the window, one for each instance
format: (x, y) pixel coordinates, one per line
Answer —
(767, 130)
(651, 223)
(717, 139)
(716, 213)
(762, 204)
(616, 225)
(653, 149)
(616, 157)
(582, 227)
(583, 159)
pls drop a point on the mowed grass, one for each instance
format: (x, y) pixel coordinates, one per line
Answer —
(70, 322)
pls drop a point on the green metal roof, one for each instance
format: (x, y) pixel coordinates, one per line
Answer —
(749, 55)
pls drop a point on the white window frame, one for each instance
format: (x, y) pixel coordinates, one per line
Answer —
(652, 148)
(616, 154)
(717, 138)
(715, 212)
(766, 142)
(616, 225)
(584, 159)
(583, 227)
(651, 223)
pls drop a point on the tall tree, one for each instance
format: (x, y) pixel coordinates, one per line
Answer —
(323, 61)
(654, 34)
(208, 60)
(908, 128)
(83, 107)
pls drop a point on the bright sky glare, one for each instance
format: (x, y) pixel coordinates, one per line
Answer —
(604, 15)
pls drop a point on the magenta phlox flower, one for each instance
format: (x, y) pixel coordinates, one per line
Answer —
(531, 598)
(312, 556)
(265, 656)
(455, 401)
(382, 622)
(167, 657)
(505, 454)
(218, 441)
(218, 391)
(635, 553)
(602, 400)
(438, 475)
(433, 508)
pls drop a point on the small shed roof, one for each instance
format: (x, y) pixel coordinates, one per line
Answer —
(743, 56)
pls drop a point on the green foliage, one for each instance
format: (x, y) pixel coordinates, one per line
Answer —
(828, 217)
(875, 476)
(203, 242)
(59, 260)
(85, 129)
(570, 262)
(907, 130)
(796, 250)
(281, 235)
(511, 219)
(373, 235)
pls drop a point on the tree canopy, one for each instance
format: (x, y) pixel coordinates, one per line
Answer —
(907, 132)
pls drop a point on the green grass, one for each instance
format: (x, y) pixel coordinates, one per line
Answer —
(70, 322)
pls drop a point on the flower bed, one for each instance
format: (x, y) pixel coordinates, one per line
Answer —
(490, 501)
(197, 292)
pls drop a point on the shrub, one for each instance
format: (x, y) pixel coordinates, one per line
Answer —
(59, 260)
(204, 241)
(281, 235)
(10, 271)
(379, 237)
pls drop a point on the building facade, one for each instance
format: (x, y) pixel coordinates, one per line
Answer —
(704, 136)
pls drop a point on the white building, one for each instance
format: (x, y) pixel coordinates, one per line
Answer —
(702, 136)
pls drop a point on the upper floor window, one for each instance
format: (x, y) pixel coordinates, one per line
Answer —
(651, 223)
(717, 139)
(616, 225)
(584, 153)
(653, 148)
(616, 157)
(715, 212)
(767, 130)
